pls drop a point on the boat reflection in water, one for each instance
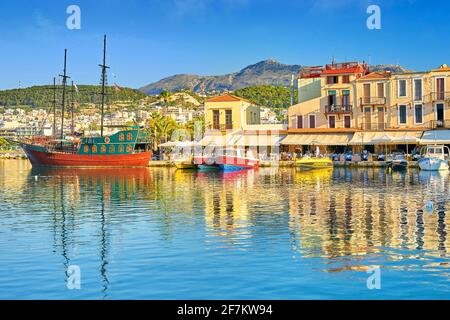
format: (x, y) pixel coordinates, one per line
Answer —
(167, 233)
(69, 194)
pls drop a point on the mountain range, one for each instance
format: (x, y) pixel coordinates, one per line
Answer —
(267, 72)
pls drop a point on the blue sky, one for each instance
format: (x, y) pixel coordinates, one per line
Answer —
(152, 39)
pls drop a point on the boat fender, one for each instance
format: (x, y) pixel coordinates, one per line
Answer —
(107, 140)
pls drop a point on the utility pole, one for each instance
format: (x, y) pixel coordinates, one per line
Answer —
(104, 68)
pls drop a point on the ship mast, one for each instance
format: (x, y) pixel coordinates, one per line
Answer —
(104, 68)
(54, 106)
(72, 125)
(64, 82)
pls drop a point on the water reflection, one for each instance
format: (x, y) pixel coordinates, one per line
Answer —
(348, 219)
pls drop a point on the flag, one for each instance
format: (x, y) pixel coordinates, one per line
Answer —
(76, 88)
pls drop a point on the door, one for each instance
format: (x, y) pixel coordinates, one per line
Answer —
(440, 114)
(332, 122)
(216, 123)
(299, 122)
(312, 121)
(347, 122)
(381, 125)
(366, 91)
(440, 89)
(229, 119)
(367, 118)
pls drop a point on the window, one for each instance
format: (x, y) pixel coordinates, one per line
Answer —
(332, 122)
(332, 100)
(229, 119)
(347, 122)
(402, 114)
(346, 100)
(418, 114)
(417, 89)
(346, 79)
(332, 80)
(380, 89)
(366, 93)
(312, 120)
(402, 88)
(216, 123)
(299, 122)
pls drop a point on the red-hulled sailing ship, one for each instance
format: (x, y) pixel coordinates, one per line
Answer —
(129, 147)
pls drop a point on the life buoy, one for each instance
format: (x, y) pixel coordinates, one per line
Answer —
(107, 140)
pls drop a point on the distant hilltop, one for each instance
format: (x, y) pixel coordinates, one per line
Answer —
(267, 72)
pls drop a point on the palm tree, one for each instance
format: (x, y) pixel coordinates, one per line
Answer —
(165, 96)
(160, 128)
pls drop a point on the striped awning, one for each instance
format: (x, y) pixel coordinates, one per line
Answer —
(318, 139)
(436, 137)
(385, 137)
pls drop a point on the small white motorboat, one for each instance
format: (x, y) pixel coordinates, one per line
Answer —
(433, 158)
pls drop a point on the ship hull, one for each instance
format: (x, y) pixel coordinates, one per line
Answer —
(232, 163)
(56, 159)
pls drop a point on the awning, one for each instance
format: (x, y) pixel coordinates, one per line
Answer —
(436, 137)
(318, 139)
(218, 140)
(385, 137)
(261, 140)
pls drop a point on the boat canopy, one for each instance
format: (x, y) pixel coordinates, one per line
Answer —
(380, 137)
(319, 139)
(436, 137)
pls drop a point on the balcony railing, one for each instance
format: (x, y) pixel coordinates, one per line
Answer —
(338, 108)
(439, 124)
(438, 96)
(373, 100)
(221, 127)
(373, 126)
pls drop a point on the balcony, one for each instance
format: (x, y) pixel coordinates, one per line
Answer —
(372, 101)
(439, 96)
(373, 126)
(221, 127)
(338, 109)
(439, 124)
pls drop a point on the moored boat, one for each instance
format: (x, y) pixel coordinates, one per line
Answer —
(236, 160)
(129, 147)
(311, 163)
(397, 161)
(433, 158)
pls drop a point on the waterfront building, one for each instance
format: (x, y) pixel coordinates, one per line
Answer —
(344, 105)
(231, 121)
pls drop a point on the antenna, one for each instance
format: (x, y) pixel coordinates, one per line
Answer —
(104, 68)
(64, 82)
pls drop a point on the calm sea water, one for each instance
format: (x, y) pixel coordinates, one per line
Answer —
(268, 234)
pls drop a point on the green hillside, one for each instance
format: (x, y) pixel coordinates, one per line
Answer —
(42, 96)
(267, 96)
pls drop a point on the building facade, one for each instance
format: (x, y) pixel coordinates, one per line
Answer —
(340, 104)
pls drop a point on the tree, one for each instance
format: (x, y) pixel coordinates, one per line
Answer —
(4, 144)
(165, 96)
(160, 127)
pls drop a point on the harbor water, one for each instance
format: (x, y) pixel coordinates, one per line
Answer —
(273, 233)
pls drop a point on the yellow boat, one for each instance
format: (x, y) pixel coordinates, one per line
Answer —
(185, 163)
(314, 163)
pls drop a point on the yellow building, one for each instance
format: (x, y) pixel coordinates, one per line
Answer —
(346, 105)
(228, 112)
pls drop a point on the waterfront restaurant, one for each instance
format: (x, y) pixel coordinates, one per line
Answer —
(344, 106)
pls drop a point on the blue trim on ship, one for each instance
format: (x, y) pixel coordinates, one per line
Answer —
(229, 168)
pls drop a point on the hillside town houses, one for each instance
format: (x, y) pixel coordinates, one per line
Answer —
(341, 107)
